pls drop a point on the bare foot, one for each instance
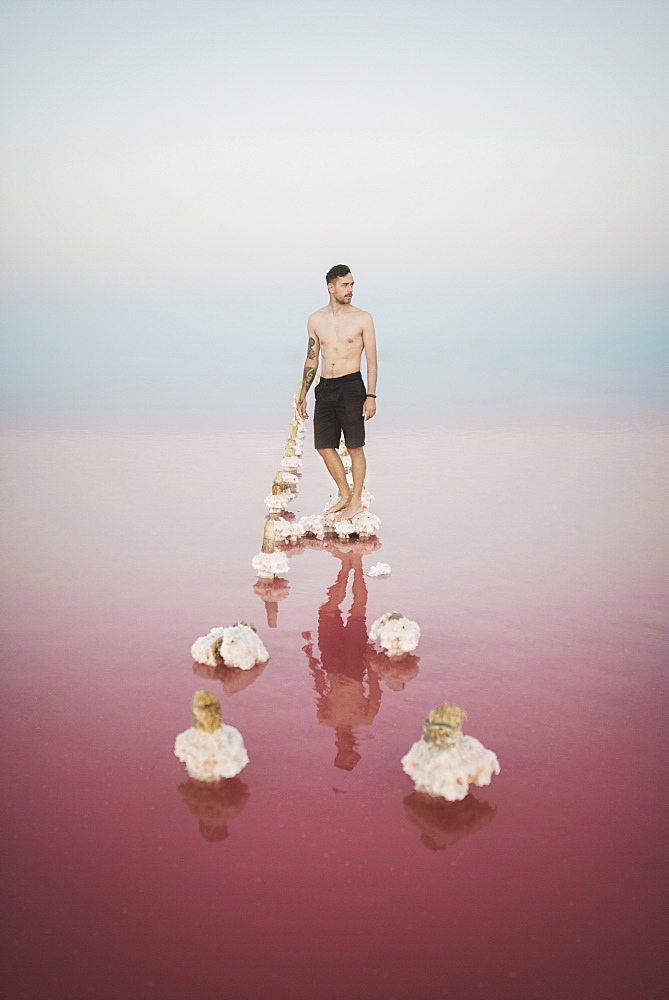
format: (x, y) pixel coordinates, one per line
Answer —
(339, 505)
(346, 513)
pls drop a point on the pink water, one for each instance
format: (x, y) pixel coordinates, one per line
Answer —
(536, 565)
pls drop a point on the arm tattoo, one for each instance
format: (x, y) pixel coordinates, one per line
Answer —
(311, 354)
(307, 378)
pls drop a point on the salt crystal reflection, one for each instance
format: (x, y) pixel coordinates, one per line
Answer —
(232, 679)
(215, 804)
(443, 823)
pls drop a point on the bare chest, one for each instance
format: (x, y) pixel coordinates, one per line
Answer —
(340, 333)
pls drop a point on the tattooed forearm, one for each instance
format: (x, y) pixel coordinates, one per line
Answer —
(311, 354)
(308, 376)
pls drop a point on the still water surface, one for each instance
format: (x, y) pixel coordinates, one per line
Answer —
(535, 562)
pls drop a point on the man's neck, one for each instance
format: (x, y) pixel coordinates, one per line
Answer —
(339, 307)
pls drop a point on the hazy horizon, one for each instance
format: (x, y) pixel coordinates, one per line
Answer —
(177, 178)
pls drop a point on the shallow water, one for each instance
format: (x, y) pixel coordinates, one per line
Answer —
(535, 562)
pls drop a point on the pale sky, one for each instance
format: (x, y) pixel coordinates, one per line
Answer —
(242, 148)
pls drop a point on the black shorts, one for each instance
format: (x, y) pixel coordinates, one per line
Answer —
(338, 408)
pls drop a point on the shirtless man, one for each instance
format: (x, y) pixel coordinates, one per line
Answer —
(340, 332)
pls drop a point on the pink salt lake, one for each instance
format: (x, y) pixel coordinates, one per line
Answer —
(535, 563)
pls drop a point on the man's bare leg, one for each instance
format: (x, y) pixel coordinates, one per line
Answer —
(358, 468)
(335, 467)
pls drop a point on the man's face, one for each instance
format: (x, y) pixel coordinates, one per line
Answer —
(342, 289)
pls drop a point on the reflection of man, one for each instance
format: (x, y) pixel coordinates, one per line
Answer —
(345, 701)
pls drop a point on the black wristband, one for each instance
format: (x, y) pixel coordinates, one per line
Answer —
(370, 395)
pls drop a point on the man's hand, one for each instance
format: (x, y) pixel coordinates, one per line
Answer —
(369, 408)
(301, 407)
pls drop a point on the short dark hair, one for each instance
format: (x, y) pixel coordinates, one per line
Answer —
(338, 271)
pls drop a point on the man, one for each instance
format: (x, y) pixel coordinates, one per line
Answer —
(340, 332)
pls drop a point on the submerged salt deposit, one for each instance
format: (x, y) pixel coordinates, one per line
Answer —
(380, 569)
(444, 762)
(397, 634)
(238, 645)
(210, 749)
(269, 563)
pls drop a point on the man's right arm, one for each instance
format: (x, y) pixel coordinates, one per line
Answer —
(310, 368)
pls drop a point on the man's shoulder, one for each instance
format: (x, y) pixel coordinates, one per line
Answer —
(362, 317)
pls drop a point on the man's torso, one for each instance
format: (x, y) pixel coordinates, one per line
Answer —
(341, 340)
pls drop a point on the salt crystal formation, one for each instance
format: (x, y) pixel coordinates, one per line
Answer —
(291, 462)
(242, 647)
(209, 749)
(398, 635)
(284, 481)
(279, 501)
(239, 646)
(381, 569)
(287, 531)
(312, 524)
(444, 762)
(206, 648)
(363, 525)
(269, 563)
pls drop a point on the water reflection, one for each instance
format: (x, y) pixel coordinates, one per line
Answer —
(232, 679)
(271, 592)
(215, 804)
(443, 823)
(394, 671)
(348, 693)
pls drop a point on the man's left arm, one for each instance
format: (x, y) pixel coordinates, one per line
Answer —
(369, 344)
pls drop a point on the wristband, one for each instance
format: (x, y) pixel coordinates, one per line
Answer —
(370, 395)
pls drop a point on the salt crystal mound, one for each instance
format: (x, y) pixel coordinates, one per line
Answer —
(279, 501)
(312, 524)
(211, 756)
(287, 530)
(237, 646)
(269, 564)
(449, 771)
(206, 649)
(363, 525)
(381, 569)
(291, 462)
(209, 749)
(242, 647)
(398, 635)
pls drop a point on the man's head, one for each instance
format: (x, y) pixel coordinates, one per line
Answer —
(340, 283)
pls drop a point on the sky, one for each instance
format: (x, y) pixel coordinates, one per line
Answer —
(178, 175)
